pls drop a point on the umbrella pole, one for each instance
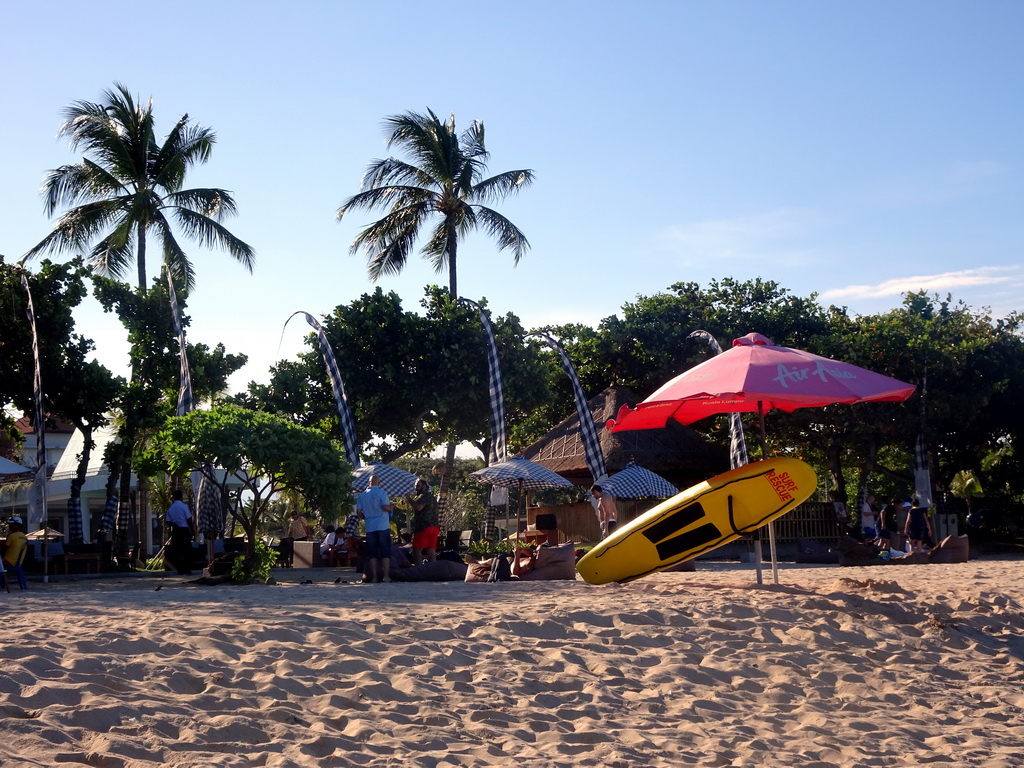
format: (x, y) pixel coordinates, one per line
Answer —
(519, 515)
(771, 525)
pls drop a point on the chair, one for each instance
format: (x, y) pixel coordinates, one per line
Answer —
(465, 538)
(17, 570)
(344, 555)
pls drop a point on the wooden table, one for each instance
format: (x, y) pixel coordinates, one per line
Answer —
(534, 537)
(89, 558)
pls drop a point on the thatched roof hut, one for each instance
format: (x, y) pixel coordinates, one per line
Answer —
(675, 452)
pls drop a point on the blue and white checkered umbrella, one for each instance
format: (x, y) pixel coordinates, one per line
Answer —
(519, 472)
(635, 482)
(394, 481)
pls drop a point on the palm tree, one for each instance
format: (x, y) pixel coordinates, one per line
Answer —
(129, 185)
(966, 485)
(443, 181)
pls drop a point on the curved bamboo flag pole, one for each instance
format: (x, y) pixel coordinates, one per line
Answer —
(588, 432)
(737, 442)
(38, 503)
(348, 428)
(499, 443)
(208, 500)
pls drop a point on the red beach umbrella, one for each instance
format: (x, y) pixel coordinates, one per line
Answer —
(756, 376)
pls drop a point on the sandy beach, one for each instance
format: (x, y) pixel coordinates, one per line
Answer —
(882, 666)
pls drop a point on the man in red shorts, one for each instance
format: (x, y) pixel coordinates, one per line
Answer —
(425, 530)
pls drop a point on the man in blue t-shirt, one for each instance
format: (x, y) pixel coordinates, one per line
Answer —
(374, 506)
(182, 525)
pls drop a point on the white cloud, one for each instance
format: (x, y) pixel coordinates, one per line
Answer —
(943, 282)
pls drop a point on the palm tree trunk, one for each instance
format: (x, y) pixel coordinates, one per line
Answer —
(453, 248)
(140, 256)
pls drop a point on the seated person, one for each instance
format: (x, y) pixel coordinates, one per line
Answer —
(16, 542)
(532, 564)
(330, 539)
(297, 529)
(524, 562)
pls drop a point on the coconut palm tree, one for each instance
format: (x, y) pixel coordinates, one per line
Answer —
(129, 186)
(443, 183)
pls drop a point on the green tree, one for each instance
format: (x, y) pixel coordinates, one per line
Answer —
(265, 454)
(965, 485)
(75, 389)
(444, 182)
(129, 185)
(413, 381)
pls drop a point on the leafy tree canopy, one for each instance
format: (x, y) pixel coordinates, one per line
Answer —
(413, 381)
(265, 453)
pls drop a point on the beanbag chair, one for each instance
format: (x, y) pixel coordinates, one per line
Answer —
(440, 570)
(952, 549)
(553, 563)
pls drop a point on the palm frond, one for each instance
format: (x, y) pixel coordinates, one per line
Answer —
(502, 185)
(433, 145)
(175, 258)
(507, 234)
(114, 254)
(398, 198)
(390, 172)
(389, 240)
(436, 248)
(80, 226)
(73, 184)
(186, 146)
(215, 203)
(118, 133)
(211, 233)
(473, 143)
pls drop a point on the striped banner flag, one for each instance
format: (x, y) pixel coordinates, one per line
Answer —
(499, 443)
(75, 531)
(109, 514)
(348, 427)
(210, 518)
(37, 509)
(588, 430)
(499, 450)
(185, 402)
(737, 442)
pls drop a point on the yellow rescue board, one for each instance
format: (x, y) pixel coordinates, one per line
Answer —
(700, 519)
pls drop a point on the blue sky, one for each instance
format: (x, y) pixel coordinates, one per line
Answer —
(854, 149)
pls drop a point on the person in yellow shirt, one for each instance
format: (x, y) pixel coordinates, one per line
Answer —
(16, 542)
